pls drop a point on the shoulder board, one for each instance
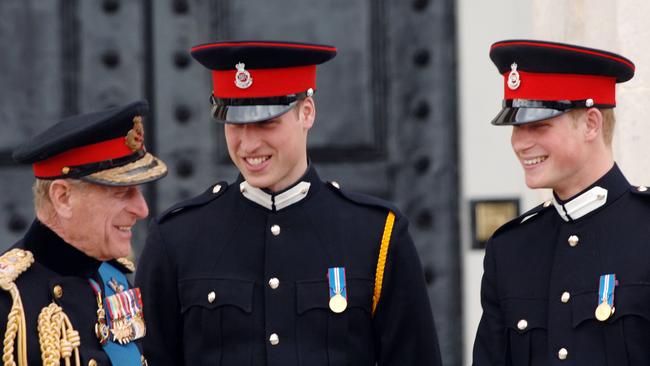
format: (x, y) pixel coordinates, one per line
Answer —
(363, 199)
(640, 190)
(523, 218)
(200, 200)
(13, 263)
(126, 264)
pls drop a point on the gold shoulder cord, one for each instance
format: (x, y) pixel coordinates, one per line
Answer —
(381, 261)
(13, 264)
(57, 337)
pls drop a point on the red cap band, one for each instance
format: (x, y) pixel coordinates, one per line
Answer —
(550, 87)
(273, 82)
(94, 153)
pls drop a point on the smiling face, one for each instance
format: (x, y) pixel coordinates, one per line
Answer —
(555, 153)
(100, 219)
(272, 154)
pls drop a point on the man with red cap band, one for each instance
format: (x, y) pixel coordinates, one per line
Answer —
(280, 268)
(567, 283)
(64, 284)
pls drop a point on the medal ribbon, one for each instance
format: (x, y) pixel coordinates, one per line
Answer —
(120, 354)
(606, 289)
(336, 276)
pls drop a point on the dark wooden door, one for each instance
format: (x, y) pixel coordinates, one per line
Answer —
(386, 105)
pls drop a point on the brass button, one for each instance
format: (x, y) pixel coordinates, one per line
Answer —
(565, 297)
(92, 362)
(562, 354)
(275, 230)
(522, 324)
(274, 283)
(642, 188)
(216, 189)
(211, 297)
(57, 291)
(274, 339)
(573, 240)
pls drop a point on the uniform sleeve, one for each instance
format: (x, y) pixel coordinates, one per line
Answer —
(405, 329)
(489, 346)
(156, 277)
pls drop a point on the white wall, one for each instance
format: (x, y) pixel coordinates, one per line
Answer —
(489, 169)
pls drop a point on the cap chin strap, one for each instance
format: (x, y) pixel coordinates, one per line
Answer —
(560, 105)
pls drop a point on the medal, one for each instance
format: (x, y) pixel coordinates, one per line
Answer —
(338, 303)
(603, 311)
(337, 289)
(606, 287)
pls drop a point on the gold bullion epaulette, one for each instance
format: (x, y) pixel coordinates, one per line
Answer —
(12, 264)
(523, 218)
(210, 194)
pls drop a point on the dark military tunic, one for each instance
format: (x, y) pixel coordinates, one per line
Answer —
(540, 288)
(230, 280)
(57, 263)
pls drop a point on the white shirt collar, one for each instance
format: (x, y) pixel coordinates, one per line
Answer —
(581, 205)
(285, 199)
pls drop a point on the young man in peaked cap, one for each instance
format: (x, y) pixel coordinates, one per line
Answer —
(280, 268)
(65, 296)
(567, 283)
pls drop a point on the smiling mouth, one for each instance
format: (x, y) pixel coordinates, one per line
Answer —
(126, 229)
(534, 161)
(257, 160)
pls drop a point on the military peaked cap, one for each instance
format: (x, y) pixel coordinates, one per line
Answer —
(255, 81)
(545, 79)
(105, 147)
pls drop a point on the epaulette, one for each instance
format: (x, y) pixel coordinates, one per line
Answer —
(126, 264)
(640, 190)
(200, 200)
(525, 217)
(13, 264)
(362, 199)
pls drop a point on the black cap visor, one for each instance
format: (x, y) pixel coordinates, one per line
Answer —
(518, 116)
(240, 114)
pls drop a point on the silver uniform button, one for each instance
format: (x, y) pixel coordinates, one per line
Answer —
(565, 297)
(522, 324)
(562, 354)
(642, 188)
(573, 240)
(336, 184)
(274, 339)
(548, 203)
(274, 283)
(275, 230)
(211, 297)
(216, 189)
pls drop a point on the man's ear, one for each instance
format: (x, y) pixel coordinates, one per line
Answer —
(60, 196)
(593, 123)
(307, 112)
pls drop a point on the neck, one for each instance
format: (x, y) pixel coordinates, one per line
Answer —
(586, 176)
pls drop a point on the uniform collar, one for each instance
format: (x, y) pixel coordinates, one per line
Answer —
(54, 253)
(605, 190)
(276, 201)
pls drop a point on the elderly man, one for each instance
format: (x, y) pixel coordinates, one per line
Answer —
(281, 268)
(567, 283)
(67, 298)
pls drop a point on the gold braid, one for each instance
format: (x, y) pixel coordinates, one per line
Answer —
(13, 264)
(57, 337)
